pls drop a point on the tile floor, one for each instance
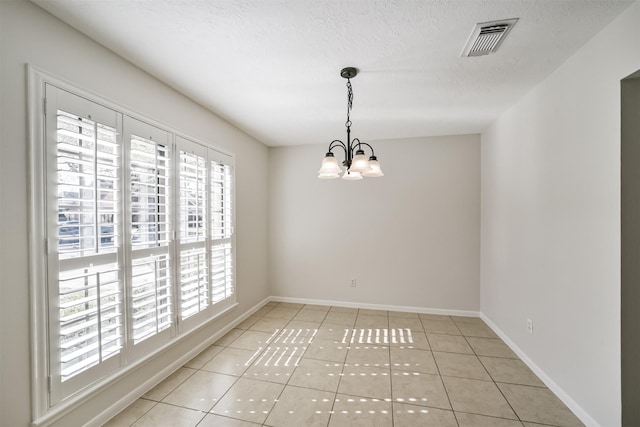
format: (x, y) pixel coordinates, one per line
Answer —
(291, 365)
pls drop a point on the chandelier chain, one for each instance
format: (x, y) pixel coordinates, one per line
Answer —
(349, 103)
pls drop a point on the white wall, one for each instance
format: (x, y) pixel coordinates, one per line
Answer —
(410, 238)
(551, 220)
(31, 35)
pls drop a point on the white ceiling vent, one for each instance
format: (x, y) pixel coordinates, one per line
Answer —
(486, 37)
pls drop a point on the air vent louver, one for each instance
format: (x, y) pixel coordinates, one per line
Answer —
(486, 37)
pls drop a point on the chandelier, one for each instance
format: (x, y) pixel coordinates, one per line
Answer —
(355, 161)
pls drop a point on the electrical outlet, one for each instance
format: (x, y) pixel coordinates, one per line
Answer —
(530, 326)
(353, 283)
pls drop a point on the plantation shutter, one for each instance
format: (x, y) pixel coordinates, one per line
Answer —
(194, 286)
(221, 190)
(150, 235)
(84, 241)
(139, 241)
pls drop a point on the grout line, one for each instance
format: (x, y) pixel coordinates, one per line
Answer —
(393, 421)
(137, 419)
(435, 362)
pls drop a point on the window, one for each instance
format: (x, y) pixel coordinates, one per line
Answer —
(139, 231)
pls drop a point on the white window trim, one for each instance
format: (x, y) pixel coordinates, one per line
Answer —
(41, 412)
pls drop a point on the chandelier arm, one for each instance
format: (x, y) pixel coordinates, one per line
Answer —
(364, 143)
(355, 143)
(337, 143)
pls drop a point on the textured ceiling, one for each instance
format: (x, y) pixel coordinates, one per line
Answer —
(271, 67)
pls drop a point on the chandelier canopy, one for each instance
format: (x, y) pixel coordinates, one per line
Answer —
(356, 163)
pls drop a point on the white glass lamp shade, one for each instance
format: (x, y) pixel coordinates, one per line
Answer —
(374, 168)
(328, 175)
(330, 168)
(350, 175)
(359, 163)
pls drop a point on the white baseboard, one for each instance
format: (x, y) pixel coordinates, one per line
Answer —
(144, 387)
(555, 388)
(465, 313)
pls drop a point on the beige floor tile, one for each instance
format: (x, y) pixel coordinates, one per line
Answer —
(271, 304)
(262, 311)
(534, 425)
(460, 365)
(473, 420)
(299, 334)
(372, 312)
(440, 327)
(268, 324)
(411, 416)
(212, 420)
(352, 411)
(275, 364)
(366, 321)
(160, 391)
(331, 350)
(249, 400)
(493, 347)
(317, 374)
(282, 313)
(329, 331)
(476, 330)
(253, 340)
(248, 322)
(366, 382)
(368, 355)
(426, 316)
(343, 309)
(301, 407)
(169, 415)
(310, 315)
(201, 390)
(231, 361)
(303, 324)
(468, 319)
(412, 324)
(369, 336)
(341, 318)
(477, 397)
(204, 356)
(403, 339)
(449, 343)
(404, 314)
(539, 405)
(324, 308)
(293, 305)
(510, 371)
(419, 389)
(130, 415)
(405, 359)
(229, 337)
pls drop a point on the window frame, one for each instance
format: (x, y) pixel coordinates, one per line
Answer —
(43, 411)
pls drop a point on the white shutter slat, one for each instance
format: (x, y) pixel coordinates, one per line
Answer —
(149, 175)
(151, 296)
(88, 165)
(193, 179)
(194, 286)
(90, 317)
